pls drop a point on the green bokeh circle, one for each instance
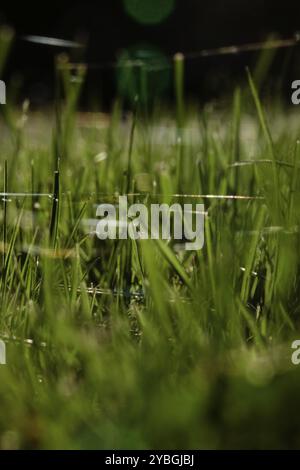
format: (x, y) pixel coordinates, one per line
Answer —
(149, 11)
(148, 76)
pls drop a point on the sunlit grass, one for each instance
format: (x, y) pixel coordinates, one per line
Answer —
(127, 344)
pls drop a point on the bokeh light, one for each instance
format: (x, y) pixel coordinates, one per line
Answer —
(143, 70)
(149, 11)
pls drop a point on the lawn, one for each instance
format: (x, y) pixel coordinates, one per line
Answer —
(137, 344)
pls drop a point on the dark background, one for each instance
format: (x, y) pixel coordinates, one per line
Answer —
(107, 29)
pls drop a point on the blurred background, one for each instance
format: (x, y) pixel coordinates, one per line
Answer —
(120, 29)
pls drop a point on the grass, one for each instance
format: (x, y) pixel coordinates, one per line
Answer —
(133, 345)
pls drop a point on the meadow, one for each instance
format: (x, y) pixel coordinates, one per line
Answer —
(129, 344)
